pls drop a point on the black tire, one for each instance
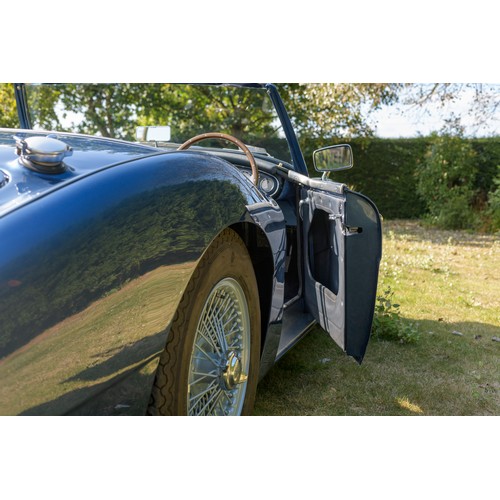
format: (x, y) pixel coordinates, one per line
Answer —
(227, 259)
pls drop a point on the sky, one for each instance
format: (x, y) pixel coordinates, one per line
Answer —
(409, 121)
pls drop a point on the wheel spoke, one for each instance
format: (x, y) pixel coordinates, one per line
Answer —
(212, 321)
(213, 400)
(205, 354)
(210, 341)
(193, 401)
(212, 374)
(225, 305)
(234, 329)
(205, 324)
(232, 318)
(223, 337)
(221, 341)
(223, 409)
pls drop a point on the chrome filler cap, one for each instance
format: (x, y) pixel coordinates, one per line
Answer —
(42, 154)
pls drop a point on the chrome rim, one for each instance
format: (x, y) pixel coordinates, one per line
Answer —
(220, 360)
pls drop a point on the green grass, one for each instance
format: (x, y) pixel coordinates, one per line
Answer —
(446, 282)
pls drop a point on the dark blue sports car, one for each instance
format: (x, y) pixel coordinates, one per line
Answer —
(167, 275)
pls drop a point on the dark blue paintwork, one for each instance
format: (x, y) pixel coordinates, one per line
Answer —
(91, 275)
(89, 154)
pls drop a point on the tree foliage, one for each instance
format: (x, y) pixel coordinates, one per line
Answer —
(107, 110)
(326, 110)
(481, 102)
(446, 182)
(317, 110)
(8, 112)
(192, 110)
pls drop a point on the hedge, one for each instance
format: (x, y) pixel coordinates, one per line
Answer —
(384, 170)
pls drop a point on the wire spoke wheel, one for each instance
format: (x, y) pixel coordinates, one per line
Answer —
(210, 364)
(220, 360)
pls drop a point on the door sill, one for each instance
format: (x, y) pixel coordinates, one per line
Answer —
(296, 323)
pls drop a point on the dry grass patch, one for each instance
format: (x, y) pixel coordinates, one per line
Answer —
(447, 284)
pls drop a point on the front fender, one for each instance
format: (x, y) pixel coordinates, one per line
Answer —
(91, 275)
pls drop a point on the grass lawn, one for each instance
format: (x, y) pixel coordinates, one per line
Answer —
(448, 285)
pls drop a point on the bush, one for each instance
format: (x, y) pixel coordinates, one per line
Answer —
(387, 322)
(493, 210)
(445, 181)
(385, 170)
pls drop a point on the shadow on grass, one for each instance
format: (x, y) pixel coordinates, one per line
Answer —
(443, 373)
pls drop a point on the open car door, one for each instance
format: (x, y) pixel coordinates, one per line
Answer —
(342, 242)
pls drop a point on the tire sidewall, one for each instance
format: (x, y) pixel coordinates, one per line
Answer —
(229, 260)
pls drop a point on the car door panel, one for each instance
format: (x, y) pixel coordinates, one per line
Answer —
(342, 250)
(363, 252)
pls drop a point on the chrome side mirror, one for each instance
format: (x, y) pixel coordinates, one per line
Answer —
(333, 158)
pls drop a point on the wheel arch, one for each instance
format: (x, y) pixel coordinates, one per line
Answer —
(261, 254)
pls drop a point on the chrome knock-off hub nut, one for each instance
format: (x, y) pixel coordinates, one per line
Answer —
(232, 374)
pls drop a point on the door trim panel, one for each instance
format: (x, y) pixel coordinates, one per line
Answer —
(341, 228)
(326, 306)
